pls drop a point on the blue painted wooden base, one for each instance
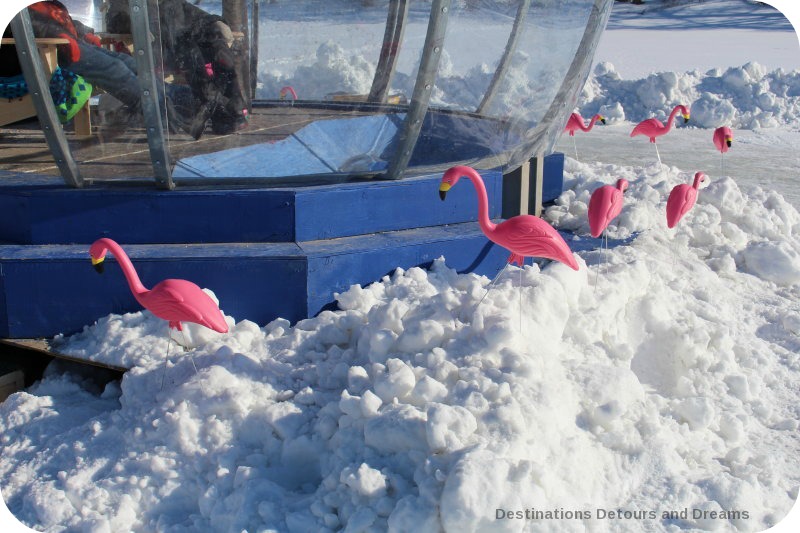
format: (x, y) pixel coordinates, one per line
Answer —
(266, 253)
(45, 211)
(51, 289)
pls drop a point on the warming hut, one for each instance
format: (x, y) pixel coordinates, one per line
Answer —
(322, 129)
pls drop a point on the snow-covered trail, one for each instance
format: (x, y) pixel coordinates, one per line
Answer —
(765, 157)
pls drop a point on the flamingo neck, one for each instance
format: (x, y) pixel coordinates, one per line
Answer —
(672, 116)
(483, 200)
(591, 124)
(127, 268)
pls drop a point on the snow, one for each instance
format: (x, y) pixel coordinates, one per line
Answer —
(661, 376)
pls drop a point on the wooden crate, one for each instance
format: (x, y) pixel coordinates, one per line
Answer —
(11, 380)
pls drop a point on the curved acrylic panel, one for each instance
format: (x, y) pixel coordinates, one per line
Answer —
(320, 90)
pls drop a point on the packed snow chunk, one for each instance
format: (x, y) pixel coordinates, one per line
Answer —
(697, 412)
(613, 113)
(364, 480)
(333, 68)
(449, 427)
(428, 390)
(778, 262)
(357, 297)
(414, 513)
(350, 405)
(421, 336)
(738, 386)
(731, 428)
(480, 484)
(377, 344)
(285, 418)
(711, 111)
(791, 323)
(361, 520)
(606, 69)
(357, 379)
(399, 428)
(396, 380)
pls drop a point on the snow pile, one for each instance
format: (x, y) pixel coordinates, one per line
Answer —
(661, 376)
(333, 70)
(745, 97)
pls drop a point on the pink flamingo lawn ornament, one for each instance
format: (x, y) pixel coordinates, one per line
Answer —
(682, 198)
(287, 91)
(604, 206)
(523, 235)
(576, 123)
(652, 127)
(174, 300)
(723, 138)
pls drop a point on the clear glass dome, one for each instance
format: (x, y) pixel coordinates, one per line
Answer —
(309, 91)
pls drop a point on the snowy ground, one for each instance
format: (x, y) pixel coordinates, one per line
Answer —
(662, 376)
(643, 39)
(692, 148)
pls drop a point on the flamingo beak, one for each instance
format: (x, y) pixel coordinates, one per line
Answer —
(98, 264)
(603, 120)
(685, 118)
(443, 188)
(729, 142)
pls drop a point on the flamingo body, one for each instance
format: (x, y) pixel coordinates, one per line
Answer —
(681, 199)
(174, 300)
(604, 206)
(723, 138)
(523, 235)
(652, 127)
(576, 123)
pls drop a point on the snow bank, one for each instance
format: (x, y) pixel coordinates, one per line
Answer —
(746, 97)
(661, 376)
(332, 70)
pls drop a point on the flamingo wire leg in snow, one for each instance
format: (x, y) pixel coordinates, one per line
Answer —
(520, 296)
(166, 358)
(575, 145)
(490, 287)
(657, 154)
(186, 349)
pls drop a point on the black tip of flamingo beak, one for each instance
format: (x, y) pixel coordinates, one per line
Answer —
(443, 188)
(729, 143)
(99, 267)
(603, 120)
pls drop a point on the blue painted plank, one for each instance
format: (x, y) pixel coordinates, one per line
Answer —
(334, 266)
(15, 219)
(355, 209)
(553, 177)
(60, 293)
(3, 304)
(135, 215)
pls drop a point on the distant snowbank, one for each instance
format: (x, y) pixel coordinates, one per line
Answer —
(746, 97)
